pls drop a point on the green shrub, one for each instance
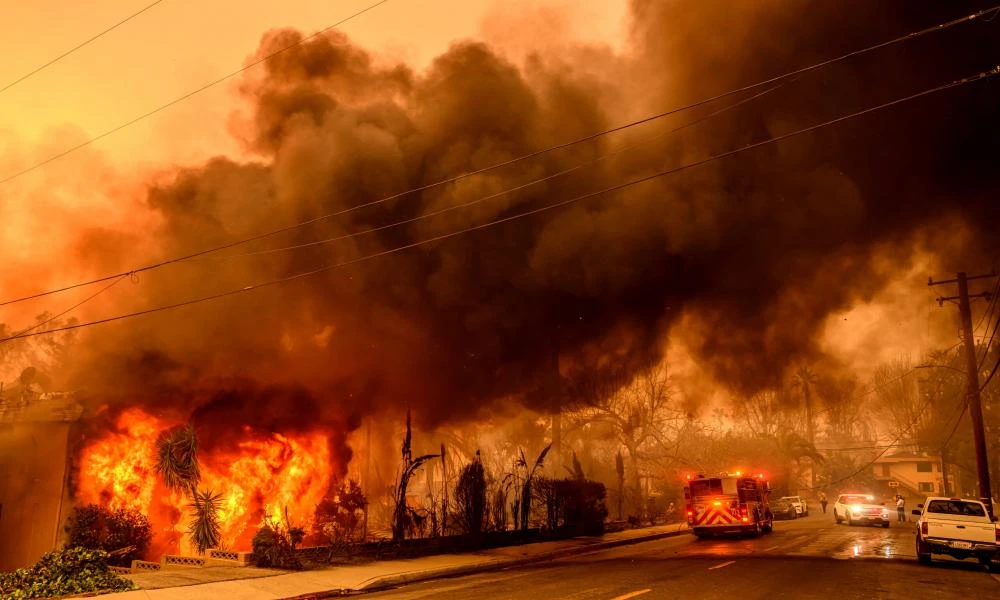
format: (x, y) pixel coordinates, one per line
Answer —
(124, 532)
(63, 572)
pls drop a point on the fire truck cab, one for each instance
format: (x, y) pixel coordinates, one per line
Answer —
(729, 503)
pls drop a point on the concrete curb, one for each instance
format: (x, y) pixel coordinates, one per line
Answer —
(395, 580)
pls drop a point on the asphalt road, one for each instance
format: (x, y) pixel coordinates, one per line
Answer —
(806, 558)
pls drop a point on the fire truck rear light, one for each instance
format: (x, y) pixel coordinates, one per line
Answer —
(690, 513)
(717, 503)
(745, 519)
(923, 527)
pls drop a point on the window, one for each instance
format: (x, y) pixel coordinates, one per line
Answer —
(926, 486)
(885, 470)
(956, 507)
(924, 467)
(706, 487)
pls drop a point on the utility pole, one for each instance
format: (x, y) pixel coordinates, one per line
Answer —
(972, 371)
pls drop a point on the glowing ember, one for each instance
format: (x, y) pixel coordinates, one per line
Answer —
(261, 474)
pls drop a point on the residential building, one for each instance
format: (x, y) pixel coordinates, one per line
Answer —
(913, 474)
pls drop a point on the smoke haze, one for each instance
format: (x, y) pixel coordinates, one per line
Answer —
(742, 264)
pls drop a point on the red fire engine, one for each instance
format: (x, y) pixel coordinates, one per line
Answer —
(729, 503)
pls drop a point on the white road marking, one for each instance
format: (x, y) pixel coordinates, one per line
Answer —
(997, 577)
(725, 564)
(631, 594)
(771, 548)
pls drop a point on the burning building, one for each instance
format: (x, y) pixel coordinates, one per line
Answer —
(378, 303)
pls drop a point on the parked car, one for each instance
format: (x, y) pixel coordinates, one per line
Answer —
(858, 509)
(801, 507)
(959, 528)
(783, 509)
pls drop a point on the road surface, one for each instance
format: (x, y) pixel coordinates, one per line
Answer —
(806, 558)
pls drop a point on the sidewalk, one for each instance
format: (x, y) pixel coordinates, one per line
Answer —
(246, 583)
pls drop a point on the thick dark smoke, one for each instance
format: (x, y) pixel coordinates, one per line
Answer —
(759, 248)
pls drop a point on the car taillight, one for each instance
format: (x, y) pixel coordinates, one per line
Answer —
(923, 527)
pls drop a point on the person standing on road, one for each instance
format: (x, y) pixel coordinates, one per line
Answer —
(901, 508)
(822, 502)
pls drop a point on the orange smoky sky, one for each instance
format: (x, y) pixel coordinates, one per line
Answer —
(179, 45)
(167, 51)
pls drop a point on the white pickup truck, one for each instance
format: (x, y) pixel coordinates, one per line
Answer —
(957, 527)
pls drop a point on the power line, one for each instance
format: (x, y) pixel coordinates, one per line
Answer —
(63, 313)
(954, 429)
(880, 454)
(990, 377)
(992, 307)
(772, 80)
(507, 191)
(86, 42)
(621, 186)
(184, 97)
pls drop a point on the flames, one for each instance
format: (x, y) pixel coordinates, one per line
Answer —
(259, 474)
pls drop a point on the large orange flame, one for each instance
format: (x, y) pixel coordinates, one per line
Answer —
(262, 474)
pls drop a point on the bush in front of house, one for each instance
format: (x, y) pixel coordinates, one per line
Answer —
(61, 573)
(124, 534)
(274, 546)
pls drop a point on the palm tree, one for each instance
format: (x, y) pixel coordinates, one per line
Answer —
(177, 464)
(805, 380)
(177, 458)
(793, 448)
(204, 526)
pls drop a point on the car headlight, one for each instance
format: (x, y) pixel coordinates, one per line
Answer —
(856, 508)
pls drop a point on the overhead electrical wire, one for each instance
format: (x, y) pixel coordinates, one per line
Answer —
(505, 192)
(177, 259)
(184, 97)
(894, 444)
(456, 206)
(86, 42)
(548, 207)
(453, 207)
(65, 312)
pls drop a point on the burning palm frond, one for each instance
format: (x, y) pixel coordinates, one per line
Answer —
(177, 458)
(204, 526)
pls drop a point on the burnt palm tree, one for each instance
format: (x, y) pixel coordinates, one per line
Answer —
(410, 466)
(529, 476)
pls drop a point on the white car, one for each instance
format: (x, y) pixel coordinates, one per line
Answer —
(957, 527)
(801, 507)
(857, 509)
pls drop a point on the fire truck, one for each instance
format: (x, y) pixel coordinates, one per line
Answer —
(729, 503)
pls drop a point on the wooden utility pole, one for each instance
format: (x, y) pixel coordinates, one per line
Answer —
(972, 372)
